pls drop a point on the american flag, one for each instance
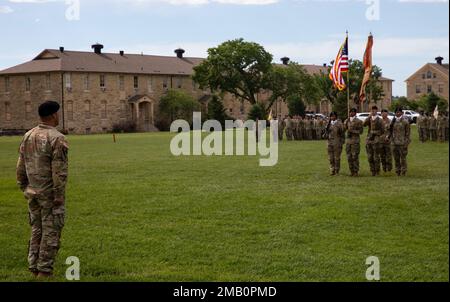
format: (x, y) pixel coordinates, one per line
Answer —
(340, 66)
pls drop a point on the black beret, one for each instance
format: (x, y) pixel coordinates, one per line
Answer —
(399, 109)
(375, 107)
(353, 110)
(333, 114)
(48, 108)
(385, 110)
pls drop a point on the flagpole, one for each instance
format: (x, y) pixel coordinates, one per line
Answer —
(348, 78)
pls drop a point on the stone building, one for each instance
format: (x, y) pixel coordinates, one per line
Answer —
(97, 90)
(432, 77)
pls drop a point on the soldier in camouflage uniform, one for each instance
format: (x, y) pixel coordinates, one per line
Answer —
(318, 128)
(354, 128)
(401, 138)
(440, 127)
(308, 128)
(336, 138)
(301, 128)
(422, 127)
(445, 126)
(42, 175)
(386, 150)
(295, 127)
(281, 126)
(373, 142)
(432, 128)
(288, 122)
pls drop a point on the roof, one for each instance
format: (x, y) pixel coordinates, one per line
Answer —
(72, 61)
(443, 68)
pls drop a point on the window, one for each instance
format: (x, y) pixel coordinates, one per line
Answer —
(123, 109)
(429, 75)
(150, 84)
(6, 84)
(70, 110)
(423, 76)
(429, 89)
(194, 85)
(441, 88)
(68, 80)
(48, 82)
(136, 82)
(418, 90)
(165, 82)
(434, 75)
(102, 81)
(27, 110)
(121, 83)
(7, 111)
(87, 110)
(86, 82)
(104, 108)
(27, 84)
(179, 82)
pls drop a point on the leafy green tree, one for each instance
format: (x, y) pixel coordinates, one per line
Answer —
(257, 112)
(296, 105)
(404, 103)
(291, 82)
(216, 111)
(236, 67)
(429, 102)
(177, 104)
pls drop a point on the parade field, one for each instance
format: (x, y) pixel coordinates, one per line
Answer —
(137, 213)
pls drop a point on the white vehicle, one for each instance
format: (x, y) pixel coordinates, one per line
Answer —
(362, 116)
(411, 115)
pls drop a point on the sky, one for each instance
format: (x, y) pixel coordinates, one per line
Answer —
(407, 33)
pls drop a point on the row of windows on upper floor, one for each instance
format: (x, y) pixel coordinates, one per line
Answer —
(167, 82)
(429, 88)
(429, 75)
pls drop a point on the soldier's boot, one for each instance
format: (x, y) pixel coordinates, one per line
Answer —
(35, 273)
(44, 275)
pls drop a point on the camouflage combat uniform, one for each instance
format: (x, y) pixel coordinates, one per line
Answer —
(336, 137)
(308, 129)
(354, 128)
(295, 128)
(373, 143)
(445, 127)
(422, 127)
(281, 126)
(386, 150)
(42, 175)
(401, 139)
(301, 129)
(440, 128)
(318, 129)
(288, 123)
(432, 128)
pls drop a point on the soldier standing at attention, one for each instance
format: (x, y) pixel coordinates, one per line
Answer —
(281, 126)
(446, 126)
(288, 122)
(386, 150)
(301, 128)
(42, 175)
(295, 127)
(336, 137)
(427, 127)
(373, 143)
(354, 128)
(432, 128)
(308, 128)
(440, 127)
(421, 126)
(401, 138)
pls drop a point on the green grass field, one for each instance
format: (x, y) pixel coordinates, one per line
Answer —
(136, 213)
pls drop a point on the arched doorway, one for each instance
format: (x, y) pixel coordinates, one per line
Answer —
(145, 120)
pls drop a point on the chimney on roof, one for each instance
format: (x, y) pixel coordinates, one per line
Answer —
(61, 49)
(324, 64)
(439, 60)
(122, 53)
(97, 48)
(179, 52)
(285, 60)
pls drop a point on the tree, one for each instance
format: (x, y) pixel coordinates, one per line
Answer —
(291, 81)
(177, 104)
(257, 112)
(296, 105)
(236, 67)
(338, 99)
(216, 111)
(429, 102)
(404, 103)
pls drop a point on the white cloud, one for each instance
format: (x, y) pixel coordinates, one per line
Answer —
(4, 9)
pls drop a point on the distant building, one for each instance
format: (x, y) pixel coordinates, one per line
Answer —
(432, 77)
(97, 90)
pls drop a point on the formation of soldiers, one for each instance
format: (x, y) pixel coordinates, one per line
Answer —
(431, 128)
(386, 139)
(301, 128)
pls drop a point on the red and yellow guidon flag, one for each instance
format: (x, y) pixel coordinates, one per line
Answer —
(340, 66)
(367, 68)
